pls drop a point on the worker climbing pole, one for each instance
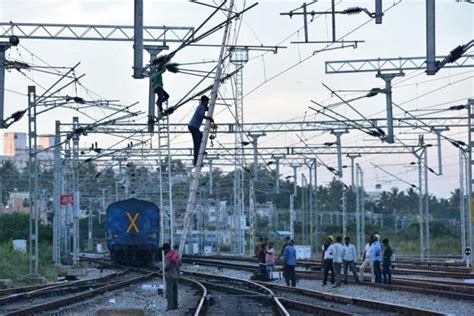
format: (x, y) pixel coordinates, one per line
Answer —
(197, 170)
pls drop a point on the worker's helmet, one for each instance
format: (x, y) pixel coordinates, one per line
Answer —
(330, 238)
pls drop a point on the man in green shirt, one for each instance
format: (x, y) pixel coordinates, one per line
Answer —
(387, 262)
(156, 76)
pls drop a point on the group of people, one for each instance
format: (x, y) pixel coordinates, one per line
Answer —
(336, 255)
(265, 253)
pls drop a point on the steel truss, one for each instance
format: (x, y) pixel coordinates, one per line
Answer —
(396, 64)
(94, 32)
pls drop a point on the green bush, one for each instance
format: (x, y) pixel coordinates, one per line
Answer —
(15, 265)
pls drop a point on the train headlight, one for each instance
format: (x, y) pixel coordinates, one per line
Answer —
(152, 235)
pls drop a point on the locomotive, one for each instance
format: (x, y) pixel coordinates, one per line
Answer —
(133, 231)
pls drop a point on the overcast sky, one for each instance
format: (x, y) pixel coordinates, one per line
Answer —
(107, 66)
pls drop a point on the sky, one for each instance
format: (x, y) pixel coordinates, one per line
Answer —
(277, 87)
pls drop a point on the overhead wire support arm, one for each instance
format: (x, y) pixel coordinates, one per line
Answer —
(332, 11)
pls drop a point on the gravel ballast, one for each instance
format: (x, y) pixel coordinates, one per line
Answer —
(429, 302)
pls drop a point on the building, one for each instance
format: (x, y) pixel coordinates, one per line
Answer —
(15, 148)
(15, 144)
(17, 202)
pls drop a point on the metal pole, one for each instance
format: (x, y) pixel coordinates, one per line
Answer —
(295, 180)
(427, 206)
(357, 200)
(77, 202)
(430, 38)
(469, 187)
(252, 212)
(378, 12)
(57, 196)
(3, 48)
(462, 201)
(388, 99)
(362, 207)
(303, 208)
(344, 213)
(210, 176)
(277, 175)
(89, 227)
(292, 216)
(333, 16)
(316, 209)
(305, 23)
(338, 135)
(311, 211)
(33, 181)
(138, 40)
(420, 207)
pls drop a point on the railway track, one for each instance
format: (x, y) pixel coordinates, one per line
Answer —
(46, 299)
(295, 301)
(447, 289)
(399, 268)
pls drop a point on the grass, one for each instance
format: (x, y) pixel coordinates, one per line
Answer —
(14, 265)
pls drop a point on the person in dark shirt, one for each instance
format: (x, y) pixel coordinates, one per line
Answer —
(195, 124)
(262, 263)
(387, 262)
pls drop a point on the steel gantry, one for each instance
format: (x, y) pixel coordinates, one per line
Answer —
(387, 69)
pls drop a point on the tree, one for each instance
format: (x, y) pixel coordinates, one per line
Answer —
(9, 176)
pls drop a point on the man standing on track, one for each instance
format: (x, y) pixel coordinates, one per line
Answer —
(337, 252)
(377, 253)
(287, 240)
(326, 255)
(289, 259)
(387, 262)
(349, 259)
(367, 261)
(171, 276)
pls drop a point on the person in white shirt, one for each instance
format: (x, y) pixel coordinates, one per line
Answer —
(368, 261)
(337, 253)
(349, 259)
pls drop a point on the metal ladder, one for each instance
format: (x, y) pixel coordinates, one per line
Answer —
(166, 192)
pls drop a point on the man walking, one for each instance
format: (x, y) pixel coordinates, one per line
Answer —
(196, 123)
(349, 259)
(337, 252)
(367, 261)
(286, 242)
(387, 262)
(327, 256)
(171, 276)
(377, 253)
(289, 259)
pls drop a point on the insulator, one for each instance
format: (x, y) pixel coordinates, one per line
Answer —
(455, 54)
(353, 10)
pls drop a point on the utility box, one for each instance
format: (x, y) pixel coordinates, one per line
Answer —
(303, 252)
(195, 248)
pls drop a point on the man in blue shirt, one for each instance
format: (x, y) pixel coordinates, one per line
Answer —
(289, 260)
(195, 124)
(377, 251)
